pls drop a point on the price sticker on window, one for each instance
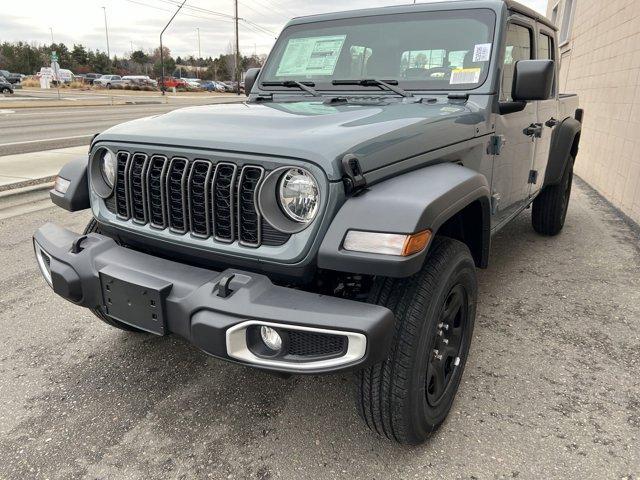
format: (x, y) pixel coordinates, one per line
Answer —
(461, 76)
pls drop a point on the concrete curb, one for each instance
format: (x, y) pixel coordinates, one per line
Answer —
(26, 186)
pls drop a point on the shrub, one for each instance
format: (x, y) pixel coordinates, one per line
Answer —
(30, 82)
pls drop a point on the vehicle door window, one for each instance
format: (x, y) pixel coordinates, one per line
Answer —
(518, 47)
(546, 51)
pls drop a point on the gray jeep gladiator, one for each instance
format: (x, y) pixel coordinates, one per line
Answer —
(335, 220)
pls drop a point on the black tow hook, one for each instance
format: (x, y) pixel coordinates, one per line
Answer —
(224, 286)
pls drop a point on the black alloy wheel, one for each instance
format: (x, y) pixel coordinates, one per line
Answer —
(446, 351)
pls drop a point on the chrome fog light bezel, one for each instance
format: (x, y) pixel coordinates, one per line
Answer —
(237, 343)
(45, 268)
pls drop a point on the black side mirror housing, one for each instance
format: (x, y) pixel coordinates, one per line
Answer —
(250, 79)
(533, 80)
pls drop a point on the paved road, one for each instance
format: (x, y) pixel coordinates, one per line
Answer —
(35, 129)
(551, 388)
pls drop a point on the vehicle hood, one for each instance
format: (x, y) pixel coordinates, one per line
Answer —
(379, 134)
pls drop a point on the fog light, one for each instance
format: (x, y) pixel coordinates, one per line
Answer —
(44, 262)
(271, 338)
(61, 185)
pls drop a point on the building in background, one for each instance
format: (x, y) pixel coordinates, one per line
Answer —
(600, 61)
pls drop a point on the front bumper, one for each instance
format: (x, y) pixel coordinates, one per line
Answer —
(197, 306)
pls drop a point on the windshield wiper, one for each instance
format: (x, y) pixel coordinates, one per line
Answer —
(373, 82)
(306, 86)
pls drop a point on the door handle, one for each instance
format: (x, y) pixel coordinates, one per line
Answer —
(552, 122)
(533, 130)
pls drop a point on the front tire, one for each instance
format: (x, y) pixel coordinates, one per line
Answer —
(93, 227)
(549, 210)
(408, 396)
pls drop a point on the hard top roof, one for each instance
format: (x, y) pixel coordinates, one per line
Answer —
(426, 7)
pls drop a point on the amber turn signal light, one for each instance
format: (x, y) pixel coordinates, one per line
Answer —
(416, 243)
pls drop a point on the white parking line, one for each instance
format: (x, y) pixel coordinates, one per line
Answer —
(45, 140)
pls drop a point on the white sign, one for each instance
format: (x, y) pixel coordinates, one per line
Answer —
(311, 56)
(482, 52)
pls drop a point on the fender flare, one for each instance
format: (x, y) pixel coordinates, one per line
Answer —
(564, 143)
(412, 202)
(76, 197)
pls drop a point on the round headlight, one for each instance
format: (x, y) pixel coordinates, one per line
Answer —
(108, 167)
(299, 197)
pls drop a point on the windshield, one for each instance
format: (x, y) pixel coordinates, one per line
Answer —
(445, 50)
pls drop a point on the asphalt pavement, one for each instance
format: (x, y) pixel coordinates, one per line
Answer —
(551, 389)
(24, 130)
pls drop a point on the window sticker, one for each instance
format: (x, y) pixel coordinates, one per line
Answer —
(482, 52)
(311, 56)
(461, 76)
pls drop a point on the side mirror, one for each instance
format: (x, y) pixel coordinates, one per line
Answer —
(250, 79)
(533, 80)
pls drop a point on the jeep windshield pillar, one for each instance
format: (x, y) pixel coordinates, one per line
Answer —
(340, 226)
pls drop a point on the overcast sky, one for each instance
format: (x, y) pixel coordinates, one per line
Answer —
(137, 23)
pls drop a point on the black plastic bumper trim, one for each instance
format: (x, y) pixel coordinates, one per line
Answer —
(194, 310)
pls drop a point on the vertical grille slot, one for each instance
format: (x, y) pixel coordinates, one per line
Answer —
(200, 198)
(223, 202)
(248, 216)
(156, 174)
(121, 190)
(176, 195)
(137, 194)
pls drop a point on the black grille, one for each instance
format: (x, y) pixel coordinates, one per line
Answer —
(223, 201)
(121, 189)
(248, 217)
(197, 197)
(306, 344)
(176, 195)
(156, 191)
(138, 198)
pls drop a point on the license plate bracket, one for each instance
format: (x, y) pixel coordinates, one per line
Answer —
(135, 298)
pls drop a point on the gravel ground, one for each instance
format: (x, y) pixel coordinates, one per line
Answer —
(551, 390)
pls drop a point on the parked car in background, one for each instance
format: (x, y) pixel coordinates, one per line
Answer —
(141, 80)
(5, 85)
(213, 86)
(193, 83)
(11, 77)
(90, 78)
(172, 82)
(108, 81)
(227, 86)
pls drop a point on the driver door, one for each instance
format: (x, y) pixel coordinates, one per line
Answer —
(510, 185)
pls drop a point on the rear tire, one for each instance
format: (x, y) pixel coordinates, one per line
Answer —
(549, 210)
(93, 227)
(408, 396)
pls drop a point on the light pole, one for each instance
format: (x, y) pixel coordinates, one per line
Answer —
(161, 49)
(237, 58)
(106, 32)
(199, 53)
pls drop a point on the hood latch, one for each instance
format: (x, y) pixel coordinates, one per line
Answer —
(353, 178)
